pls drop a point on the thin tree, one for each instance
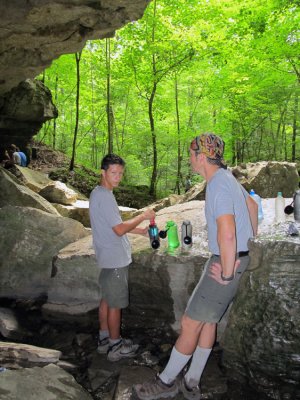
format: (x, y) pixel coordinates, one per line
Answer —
(109, 112)
(179, 156)
(77, 59)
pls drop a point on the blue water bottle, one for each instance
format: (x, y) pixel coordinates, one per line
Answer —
(153, 235)
(257, 198)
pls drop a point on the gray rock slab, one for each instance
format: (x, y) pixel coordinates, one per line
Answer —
(20, 355)
(29, 239)
(10, 327)
(33, 179)
(58, 192)
(48, 383)
(15, 194)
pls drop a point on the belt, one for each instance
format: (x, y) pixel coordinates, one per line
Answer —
(239, 254)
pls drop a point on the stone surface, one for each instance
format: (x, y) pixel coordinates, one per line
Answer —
(20, 355)
(58, 192)
(35, 33)
(22, 113)
(29, 239)
(34, 180)
(48, 383)
(9, 325)
(268, 177)
(32, 35)
(14, 193)
(261, 343)
(157, 277)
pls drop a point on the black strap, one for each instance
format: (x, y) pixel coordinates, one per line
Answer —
(239, 254)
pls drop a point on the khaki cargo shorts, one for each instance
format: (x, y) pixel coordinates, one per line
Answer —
(114, 286)
(210, 299)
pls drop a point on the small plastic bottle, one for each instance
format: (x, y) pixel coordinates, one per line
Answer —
(257, 198)
(279, 208)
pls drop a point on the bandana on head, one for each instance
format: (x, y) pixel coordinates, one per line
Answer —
(209, 144)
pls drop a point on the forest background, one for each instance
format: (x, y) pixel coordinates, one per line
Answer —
(227, 66)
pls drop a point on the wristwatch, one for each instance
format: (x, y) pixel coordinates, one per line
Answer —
(227, 278)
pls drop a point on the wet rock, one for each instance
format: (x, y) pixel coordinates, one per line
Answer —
(10, 327)
(48, 383)
(19, 355)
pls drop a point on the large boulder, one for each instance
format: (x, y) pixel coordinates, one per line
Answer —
(268, 177)
(17, 355)
(23, 113)
(48, 383)
(14, 193)
(58, 192)
(160, 280)
(29, 239)
(261, 341)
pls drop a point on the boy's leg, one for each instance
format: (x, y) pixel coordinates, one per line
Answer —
(114, 323)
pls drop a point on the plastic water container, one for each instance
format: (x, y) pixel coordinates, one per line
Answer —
(172, 230)
(279, 208)
(257, 198)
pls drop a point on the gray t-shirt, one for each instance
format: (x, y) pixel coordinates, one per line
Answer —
(225, 195)
(112, 251)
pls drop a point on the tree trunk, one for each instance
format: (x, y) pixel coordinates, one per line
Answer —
(77, 58)
(108, 102)
(294, 135)
(179, 158)
(152, 190)
(54, 121)
(153, 137)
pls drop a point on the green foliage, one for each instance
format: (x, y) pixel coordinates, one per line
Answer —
(237, 69)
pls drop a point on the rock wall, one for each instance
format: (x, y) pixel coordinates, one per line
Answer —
(32, 34)
(261, 342)
(35, 33)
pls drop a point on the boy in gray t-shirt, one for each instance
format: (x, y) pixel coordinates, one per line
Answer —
(113, 254)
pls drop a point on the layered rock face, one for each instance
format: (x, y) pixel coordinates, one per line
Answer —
(33, 34)
(261, 343)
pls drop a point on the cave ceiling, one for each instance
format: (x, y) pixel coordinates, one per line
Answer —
(32, 34)
(35, 32)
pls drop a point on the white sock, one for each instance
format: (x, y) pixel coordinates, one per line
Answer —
(175, 364)
(103, 334)
(199, 360)
(114, 341)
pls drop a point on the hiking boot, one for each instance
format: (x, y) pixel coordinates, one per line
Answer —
(103, 345)
(123, 349)
(156, 389)
(189, 393)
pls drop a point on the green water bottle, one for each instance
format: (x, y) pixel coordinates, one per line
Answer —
(172, 230)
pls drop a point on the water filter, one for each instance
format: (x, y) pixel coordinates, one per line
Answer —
(186, 234)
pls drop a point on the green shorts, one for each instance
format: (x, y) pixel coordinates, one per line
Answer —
(114, 286)
(210, 299)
